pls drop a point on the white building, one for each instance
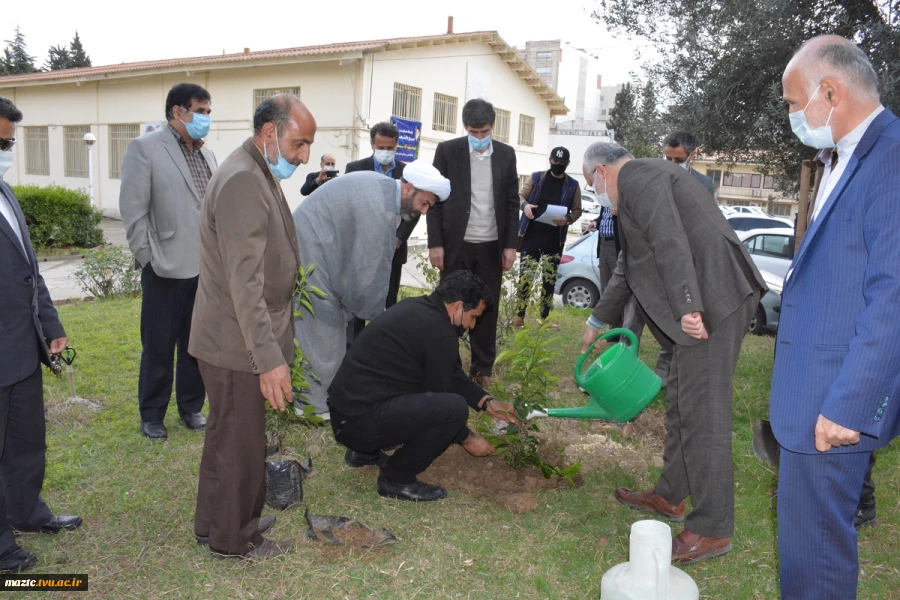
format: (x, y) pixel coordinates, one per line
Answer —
(348, 87)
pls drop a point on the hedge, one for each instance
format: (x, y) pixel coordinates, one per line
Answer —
(59, 217)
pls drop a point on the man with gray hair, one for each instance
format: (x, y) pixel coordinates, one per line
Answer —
(347, 230)
(835, 385)
(697, 287)
(242, 332)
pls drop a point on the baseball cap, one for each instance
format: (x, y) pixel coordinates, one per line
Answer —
(560, 153)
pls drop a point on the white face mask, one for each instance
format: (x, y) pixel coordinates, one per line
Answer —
(685, 165)
(603, 198)
(385, 157)
(6, 161)
(819, 137)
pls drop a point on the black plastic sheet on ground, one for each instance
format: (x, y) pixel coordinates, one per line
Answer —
(284, 482)
(341, 531)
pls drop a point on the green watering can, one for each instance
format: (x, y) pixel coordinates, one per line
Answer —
(619, 383)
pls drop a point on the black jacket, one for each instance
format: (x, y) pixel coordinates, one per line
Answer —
(447, 221)
(406, 227)
(27, 316)
(411, 348)
(310, 185)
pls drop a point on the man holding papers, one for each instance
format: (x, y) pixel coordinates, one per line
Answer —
(550, 201)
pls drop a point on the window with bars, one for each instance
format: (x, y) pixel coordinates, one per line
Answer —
(444, 113)
(543, 71)
(501, 125)
(523, 179)
(407, 102)
(260, 95)
(546, 55)
(75, 151)
(526, 130)
(119, 138)
(37, 151)
(780, 210)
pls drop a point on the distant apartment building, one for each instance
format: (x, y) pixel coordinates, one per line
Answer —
(742, 184)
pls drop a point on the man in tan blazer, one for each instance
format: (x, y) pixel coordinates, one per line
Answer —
(242, 333)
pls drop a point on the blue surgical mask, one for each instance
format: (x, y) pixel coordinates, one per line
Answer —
(480, 144)
(819, 137)
(685, 165)
(198, 128)
(281, 169)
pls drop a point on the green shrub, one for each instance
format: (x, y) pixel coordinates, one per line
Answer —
(58, 216)
(109, 273)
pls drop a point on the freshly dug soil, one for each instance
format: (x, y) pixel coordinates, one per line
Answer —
(489, 476)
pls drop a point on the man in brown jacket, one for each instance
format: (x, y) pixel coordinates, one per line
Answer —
(242, 333)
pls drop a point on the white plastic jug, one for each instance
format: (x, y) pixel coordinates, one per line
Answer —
(648, 575)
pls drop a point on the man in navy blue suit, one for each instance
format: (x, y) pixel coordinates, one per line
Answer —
(835, 386)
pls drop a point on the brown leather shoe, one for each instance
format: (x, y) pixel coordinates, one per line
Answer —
(482, 381)
(518, 322)
(650, 501)
(690, 547)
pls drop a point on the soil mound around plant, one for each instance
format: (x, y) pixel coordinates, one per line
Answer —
(488, 476)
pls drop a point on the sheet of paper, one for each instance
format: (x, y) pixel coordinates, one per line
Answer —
(554, 211)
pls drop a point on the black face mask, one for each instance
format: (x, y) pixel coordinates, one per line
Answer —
(558, 169)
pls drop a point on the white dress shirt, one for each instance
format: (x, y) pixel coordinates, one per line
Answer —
(7, 211)
(845, 148)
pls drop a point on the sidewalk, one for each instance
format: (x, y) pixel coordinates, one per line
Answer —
(60, 281)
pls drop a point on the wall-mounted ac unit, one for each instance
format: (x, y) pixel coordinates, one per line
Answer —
(756, 193)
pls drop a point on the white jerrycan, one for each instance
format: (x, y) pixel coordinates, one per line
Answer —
(648, 575)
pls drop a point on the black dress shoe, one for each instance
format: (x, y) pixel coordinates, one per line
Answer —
(194, 420)
(355, 459)
(265, 524)
(417, 491)
(60, 522)
(154, 431)
(865, 515)
(17, 559)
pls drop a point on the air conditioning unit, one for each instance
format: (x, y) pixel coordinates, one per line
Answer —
(756, 193)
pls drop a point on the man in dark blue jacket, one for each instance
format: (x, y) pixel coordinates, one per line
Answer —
(28, 322)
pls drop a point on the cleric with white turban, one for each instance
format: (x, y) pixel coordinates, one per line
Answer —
(347, 230)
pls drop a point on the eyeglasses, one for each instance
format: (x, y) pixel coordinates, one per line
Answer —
(7, 144)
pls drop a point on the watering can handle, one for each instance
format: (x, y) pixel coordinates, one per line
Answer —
(632, 345)
(662, 568)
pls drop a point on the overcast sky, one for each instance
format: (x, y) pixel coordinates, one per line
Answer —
(112, 33)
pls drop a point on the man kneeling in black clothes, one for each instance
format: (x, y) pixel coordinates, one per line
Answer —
(402, 382)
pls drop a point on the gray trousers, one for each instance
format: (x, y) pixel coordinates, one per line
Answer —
(697, 461)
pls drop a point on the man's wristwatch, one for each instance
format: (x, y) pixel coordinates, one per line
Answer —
(484, 401)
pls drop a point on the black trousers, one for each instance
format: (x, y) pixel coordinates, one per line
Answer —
(166, 311)
(425, 424)
(23, 454)
(553, 250)
(483, 259)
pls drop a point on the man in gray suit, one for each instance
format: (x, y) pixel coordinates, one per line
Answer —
(164, 179)
(680, 148)
(696, 285)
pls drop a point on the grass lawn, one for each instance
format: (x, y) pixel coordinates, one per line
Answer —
(137, 499)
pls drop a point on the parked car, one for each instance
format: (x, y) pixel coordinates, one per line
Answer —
(771, 249)
(767, 313)
(749, 210)
(578, 277)
(589, 201)
(746, 222)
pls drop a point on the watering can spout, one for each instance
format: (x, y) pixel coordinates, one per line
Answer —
(591, 411)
